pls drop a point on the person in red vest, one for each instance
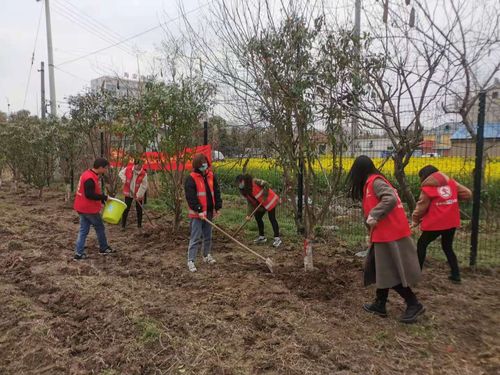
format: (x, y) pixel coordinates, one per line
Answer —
(135, 185)
(438, 214)
(257, 192)
(204, 201)
(88, 204)
(392, 260)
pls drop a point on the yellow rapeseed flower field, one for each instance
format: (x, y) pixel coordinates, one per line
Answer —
(453, 166)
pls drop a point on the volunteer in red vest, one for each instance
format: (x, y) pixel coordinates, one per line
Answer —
(392, 260)
(438, 214)
(204, 201)
(135, 185)
(257, 192)
(88, 204)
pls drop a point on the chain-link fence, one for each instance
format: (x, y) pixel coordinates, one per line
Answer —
(449, 147)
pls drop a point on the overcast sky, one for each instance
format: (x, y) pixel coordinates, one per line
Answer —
(79, 27)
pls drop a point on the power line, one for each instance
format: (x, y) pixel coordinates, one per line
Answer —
(92, 19)
(134, 36)
(89, 27)
(33, 56)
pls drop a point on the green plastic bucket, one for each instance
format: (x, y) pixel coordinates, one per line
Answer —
(113, 210)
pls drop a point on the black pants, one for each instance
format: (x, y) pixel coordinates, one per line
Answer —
(272, 218)
(405, 292)
(138, 208)
(446, 243)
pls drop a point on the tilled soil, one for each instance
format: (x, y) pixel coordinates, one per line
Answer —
(140, 311)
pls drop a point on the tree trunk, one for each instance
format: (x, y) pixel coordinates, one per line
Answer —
(404, 186)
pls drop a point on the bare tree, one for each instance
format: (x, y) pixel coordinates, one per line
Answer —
(470, 33)
(402, 88)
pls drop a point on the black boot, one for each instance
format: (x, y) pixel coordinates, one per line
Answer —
(377, 308)
(455, 279)
(412, 312)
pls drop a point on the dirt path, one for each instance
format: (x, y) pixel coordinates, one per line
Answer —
(141, 312)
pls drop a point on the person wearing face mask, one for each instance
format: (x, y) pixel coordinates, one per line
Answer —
(135, 185)
(204, 201)
(262, 198)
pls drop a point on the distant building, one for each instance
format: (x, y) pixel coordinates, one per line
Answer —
(463, 145)
(373, 146)
(438, 139)
(121, 86)
(492, 105)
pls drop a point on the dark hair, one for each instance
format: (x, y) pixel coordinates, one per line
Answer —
(361, 169)
(426, 172)
(198, 160)
(100, 162)
(247, 178)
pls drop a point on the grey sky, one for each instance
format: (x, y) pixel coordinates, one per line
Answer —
(74, 36)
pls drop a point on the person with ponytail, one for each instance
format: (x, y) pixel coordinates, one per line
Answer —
(438, 214)
(392, 261)
(261, 199)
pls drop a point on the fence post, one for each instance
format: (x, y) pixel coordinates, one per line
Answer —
(205, 132)
(478, 170)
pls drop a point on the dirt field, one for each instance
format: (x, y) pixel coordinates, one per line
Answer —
(140, 311)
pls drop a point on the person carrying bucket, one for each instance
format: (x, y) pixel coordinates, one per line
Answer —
(261, 199)
(438, 214)
(204, 201)
(392, 260)
(135, 185)
(88, 204)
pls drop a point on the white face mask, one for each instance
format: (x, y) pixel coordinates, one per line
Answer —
(241, 185)
(204, 167)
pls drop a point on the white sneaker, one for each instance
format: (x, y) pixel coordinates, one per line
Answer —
(209, 259)
(260, 239)
(192, 267)
(277, 242)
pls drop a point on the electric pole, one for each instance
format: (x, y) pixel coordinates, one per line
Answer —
(42, 72)
(50, 54)
(357, 36)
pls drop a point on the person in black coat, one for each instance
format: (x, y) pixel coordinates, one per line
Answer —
(204, 201)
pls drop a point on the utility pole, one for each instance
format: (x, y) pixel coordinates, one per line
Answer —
(357, 35)
(50, 53)
(42, 72)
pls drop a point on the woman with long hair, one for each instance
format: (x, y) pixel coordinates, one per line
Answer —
(392, 260)
(438, 214)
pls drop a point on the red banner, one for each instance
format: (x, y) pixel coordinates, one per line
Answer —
(156, 161)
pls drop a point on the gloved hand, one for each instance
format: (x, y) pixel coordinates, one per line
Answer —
(216, 214)
(248, 217)
(202, 215)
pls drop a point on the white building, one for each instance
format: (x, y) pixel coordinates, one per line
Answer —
(372, 146)
(121, 86)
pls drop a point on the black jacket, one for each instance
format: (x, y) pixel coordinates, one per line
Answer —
(90, 190)
(192, 197)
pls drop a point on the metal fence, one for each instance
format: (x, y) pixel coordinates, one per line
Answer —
(448, 147)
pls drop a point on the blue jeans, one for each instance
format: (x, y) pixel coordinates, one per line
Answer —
(87, 220)
(201, 231)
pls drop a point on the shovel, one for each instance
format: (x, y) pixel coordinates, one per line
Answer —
(268, 261)
(146, 213)
(364, 253)
(247, 220)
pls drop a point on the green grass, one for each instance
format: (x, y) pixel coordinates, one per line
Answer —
(149, 330)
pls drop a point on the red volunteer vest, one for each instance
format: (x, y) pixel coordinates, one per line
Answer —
(443, 212)
(82, 203)
(201, 192)
(129, 173)
(395, 225)
(258, 197)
